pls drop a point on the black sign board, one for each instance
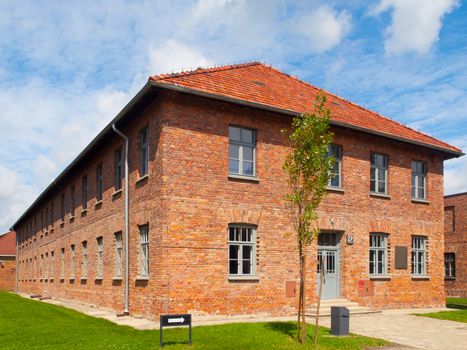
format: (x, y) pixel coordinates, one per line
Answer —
(175, 321)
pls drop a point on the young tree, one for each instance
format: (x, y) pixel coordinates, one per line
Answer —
(308, 168)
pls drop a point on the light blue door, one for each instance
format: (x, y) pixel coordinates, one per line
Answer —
(328, 260)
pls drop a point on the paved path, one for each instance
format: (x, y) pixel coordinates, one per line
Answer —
(397, 326)
(400, 326)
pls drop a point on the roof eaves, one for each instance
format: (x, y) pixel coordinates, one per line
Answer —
(84, 152)
(180, 88)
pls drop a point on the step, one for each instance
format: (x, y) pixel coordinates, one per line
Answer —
(325, 307)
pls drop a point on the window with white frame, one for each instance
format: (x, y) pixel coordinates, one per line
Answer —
(378, 254)
(336, 170)
(144, 250)
(99, 181)
(418, 180)
(62, 257)
(144, 151)
(84, 260)
(100, 257)
(449, 265)
(242, 154)
(118, 254)
(419, 256)
(242, 250)
(72, 261)
(379, 173)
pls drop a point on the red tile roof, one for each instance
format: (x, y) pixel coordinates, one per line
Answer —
(261, 84)
(8, 243)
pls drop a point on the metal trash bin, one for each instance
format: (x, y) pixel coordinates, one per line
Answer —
(339, 320)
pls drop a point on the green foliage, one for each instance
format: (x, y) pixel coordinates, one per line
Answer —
(308, 167)
(30, 324)
(458, 315)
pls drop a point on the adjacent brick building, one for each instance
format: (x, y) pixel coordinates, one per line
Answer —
(455, 244)
(8, 261)
(209, 231)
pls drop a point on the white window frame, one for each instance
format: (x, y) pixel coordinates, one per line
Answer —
(236, 231)
(242, 145)
(84, 260)
(374, 247)
(100, 257)
(376, 169)
(144, 250)
(419, 249)
(450, 265)
(338, 174)
(418, 179)
(118, 254)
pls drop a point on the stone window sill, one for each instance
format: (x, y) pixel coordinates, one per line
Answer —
(116, 278)
(84, 211)
(380, 277)
(420, 200)
(142, 278)
(243, 278)
(71, 279)
(335, 189)
(84, 279)
(142, 178)
(253, 179)
(98, 278)
(98, 204)
(116, 193)
(380, 195)
(427, 278)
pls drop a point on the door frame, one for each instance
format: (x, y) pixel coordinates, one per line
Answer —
(337, 249)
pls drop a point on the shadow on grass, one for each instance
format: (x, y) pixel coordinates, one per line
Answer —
(287, 328)
(456, 306)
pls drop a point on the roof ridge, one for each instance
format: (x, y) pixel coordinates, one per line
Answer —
(203, 70)
(357, 105)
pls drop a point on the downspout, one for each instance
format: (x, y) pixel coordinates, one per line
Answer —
(127, 264)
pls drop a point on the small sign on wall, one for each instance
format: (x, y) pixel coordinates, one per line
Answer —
(349, 239)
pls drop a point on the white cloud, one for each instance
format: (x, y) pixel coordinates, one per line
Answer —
(415, 23)
(324, 27)
(174, 56)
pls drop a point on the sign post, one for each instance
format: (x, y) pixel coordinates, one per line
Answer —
(175, 321)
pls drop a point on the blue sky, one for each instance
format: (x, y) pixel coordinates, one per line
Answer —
(66, 70)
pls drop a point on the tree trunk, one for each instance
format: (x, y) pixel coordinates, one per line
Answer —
(321, 281)
(303, 301)
(299, 309)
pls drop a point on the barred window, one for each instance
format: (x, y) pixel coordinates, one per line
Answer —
(100, 257)
(419, 256)
(450, 265)
(379, 173)
(242, 250)
(378, 254)
(418, 180)
(242, 154)
(144, 250)
(336, 171)
(118, 254)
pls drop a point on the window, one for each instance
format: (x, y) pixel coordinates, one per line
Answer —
(118, 254)
(242, 255)
(242, 155)
(118, 169)
(84, 260)
(100, 257)
(418, 180)
(62, 270)
(72, 200)
(144, 253)
(46, 273)
(335, 176)
(379, 173)
(84, 192)
(41, 267)
(46, 218)
(378, 254)
(99, 182)
(144, 151)
(52, 264)
(72, 261)
(52, 218)
(62, 207)
(449, 265)
(419, 256)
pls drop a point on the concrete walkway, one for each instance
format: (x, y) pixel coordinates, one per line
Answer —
(397, 326)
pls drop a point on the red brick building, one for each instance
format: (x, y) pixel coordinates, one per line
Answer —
(455, 244)
(8, 261)
(209, 231)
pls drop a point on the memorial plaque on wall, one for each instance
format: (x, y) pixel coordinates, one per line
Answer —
(401, 257)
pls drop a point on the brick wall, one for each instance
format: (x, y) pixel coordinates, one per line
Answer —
(455, 223)
(7, 273)
(189, 201)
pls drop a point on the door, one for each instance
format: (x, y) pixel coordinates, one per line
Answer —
(328, 260)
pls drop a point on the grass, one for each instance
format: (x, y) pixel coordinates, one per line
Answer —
(459, 315)
(30, 324)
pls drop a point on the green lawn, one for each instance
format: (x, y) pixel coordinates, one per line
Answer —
(459, 315)
(30, 324)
